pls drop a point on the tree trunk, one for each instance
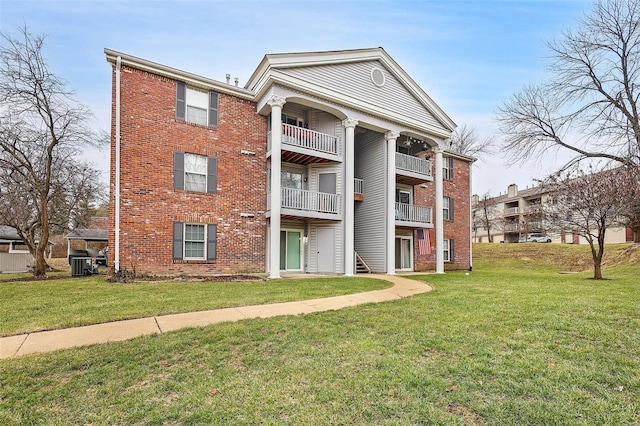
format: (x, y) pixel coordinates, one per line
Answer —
(597, 256)
(636, 234)
(40, 265)
(597, 269)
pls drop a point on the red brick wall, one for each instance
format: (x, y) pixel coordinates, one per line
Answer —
(149, 204)
(457, 229)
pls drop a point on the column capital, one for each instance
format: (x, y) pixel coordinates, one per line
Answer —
(391, 136)
(276, 101)
(438, 149)
(349, 123)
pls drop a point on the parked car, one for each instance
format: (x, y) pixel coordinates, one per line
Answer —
(535, 238)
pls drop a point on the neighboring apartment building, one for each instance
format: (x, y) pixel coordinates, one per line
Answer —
(323, 161)
(517, 214)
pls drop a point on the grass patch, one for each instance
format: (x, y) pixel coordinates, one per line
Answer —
(43, 305)
(497, 346)
(552, 257)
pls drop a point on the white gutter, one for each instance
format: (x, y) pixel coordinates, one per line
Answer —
(116, 259)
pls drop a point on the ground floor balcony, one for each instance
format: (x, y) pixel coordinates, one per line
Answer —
(412, 170)
(412, 216)
(305, 146)
(301, 203)
(511, 227)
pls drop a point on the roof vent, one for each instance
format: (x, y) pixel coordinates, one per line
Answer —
(377, 77)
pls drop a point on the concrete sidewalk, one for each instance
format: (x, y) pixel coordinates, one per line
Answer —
(48, 341)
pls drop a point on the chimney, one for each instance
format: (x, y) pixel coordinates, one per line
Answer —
(236, 80)
(512, 190)
(228, 78)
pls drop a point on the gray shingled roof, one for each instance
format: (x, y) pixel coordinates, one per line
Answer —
(88, 235)
(8, 233)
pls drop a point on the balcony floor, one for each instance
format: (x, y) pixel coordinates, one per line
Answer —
(303, 159)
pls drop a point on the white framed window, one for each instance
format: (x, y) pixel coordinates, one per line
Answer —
(447, 249)
(291, 179)
(403, 196)
(195, 241)
(447, 208)
(291, 120)
(197, 105)
(195, 172)
(447, 168)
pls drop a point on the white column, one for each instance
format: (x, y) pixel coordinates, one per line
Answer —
(349, 175)
(276, 103)
(391, 201)
(439, 223)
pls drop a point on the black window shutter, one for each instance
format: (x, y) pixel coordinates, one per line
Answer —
(450, 159)
(451, 251)
(212, 174)
(178, 228)
(212, 241)
(181, 100)
(450, 208)
(178, 170)
(213, 109)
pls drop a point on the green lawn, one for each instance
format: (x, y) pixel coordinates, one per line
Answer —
(43, 305)
(500, 346)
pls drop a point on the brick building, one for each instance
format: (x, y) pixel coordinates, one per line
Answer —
(323, 162)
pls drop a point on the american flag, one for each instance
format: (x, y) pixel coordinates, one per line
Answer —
(424, 242)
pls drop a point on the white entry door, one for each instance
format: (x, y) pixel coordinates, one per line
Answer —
(326, 249)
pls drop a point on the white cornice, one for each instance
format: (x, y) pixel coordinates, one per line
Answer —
(176, 74)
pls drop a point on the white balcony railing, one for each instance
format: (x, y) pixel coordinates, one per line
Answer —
(511, 227)
(308, 139)
(413, 164)
(358, 186)
(512, 210)
(413, 213)
(301, 199)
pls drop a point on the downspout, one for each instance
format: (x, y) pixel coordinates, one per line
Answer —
(116, 244)
(470, 217)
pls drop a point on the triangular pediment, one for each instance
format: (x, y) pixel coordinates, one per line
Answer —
(367, 80)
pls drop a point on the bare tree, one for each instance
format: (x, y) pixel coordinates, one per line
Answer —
(41, 131)
(466, 141)
(589, 106)
(485, 215)
(588, 204)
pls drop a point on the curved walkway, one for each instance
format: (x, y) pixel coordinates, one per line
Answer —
(48, 341)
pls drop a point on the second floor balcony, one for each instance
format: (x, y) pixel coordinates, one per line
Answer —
(305, 146)
(412, 170)
(509, 211)
(412, 216)
(307, 204)
(532, 209)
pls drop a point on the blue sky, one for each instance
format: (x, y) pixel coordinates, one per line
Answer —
(467, 55)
